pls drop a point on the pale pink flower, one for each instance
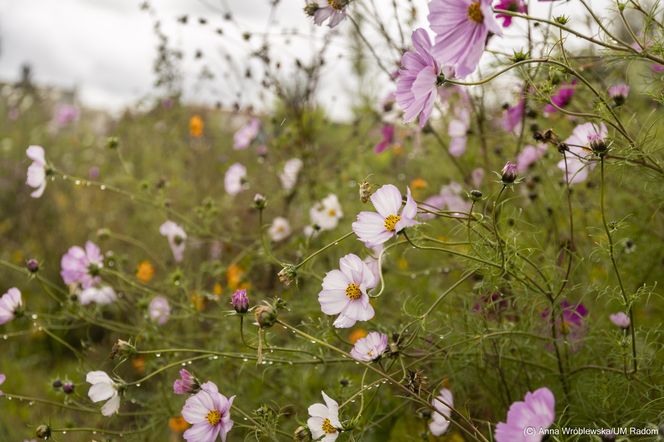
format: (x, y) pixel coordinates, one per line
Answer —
(513, 116)
(209, 413)
(291, 171)
(82, 266)
(579, 151)
(334, 10)
(10, 302)
(99, 295)
(374, 228)
(440, 420)
(243, 137)
(477, 176)
(561, 98)
(159, 309)
(461, 28)
(327, 213)
(536, 412)
(2, 381)
(345, 292)
(176, 237)
(620, 319)
(234, 180)
(324, 421)
(37, 170)
(369, 348)
(529, 156)
(186, 384)
(457, 129)
(510, 5)
(387, 132)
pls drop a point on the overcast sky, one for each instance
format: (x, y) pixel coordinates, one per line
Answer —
(106, 47)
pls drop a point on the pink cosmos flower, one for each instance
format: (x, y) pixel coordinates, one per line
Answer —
(388, 138)
(334, 10)
(209, 412)
(10, 302)
(417, 84)
(579, 151)
(562, 97)
(620, 319)
(450, 198)
(176, 237)
(186, 384)
(243, 137)
(65, 114)
(570, 322)
(37, 170)
(619, 93)
(81, 266)
(369, 348)
(537, 411)
(513, 6)
(375, 228)
(477, 176)
(529, 156)
(461, 28)
(372, 262)
(159, 310)
(345, 292)
(234, 179)
(512, 117)
(440, 420)
(2, 381)
(99, 295)
(324, 421)
(457, 129)
(657, 68)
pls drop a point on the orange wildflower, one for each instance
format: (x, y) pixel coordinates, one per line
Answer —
(196, 126)
(145, 271)
(356, 335)
(177, 424)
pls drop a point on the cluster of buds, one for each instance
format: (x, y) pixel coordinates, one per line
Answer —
(66, 386)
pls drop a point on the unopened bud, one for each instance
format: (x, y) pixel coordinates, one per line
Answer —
(122, 349)
(288, 274)
(475, 195)
(265, 316)
(302, 434)
(240, 301)
(32, 265)
(259, 202)
(43, 432)
(509, 173)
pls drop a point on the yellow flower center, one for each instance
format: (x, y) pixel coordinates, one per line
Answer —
(328, 427)
(475, 13)
(353, 291)
(213, 417)
(391, 222)
(332, 212)
(337, 4)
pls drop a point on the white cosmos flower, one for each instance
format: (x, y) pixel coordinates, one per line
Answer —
(345, 292)
(440, 420)
(234, 180)
(324, 421)
(159, 310)
(280, 229)
(327, 213)
(376, 228)
(37, 170)
(99, 295)
(9, 303)
(291, 171)
(176, 238)
(103, 389)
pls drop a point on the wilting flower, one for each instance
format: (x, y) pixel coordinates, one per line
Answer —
(620, 319)
(461, 28)
(375, 228)
(99, 295)
(580, 149)
(240, 301)
(103, 389)
(322, 10)
(326, 213)
(186, 384)
(65, 114)
(196, 126)
(510, 5)
(81, 266)
(209, 413)
(345, 292)
(417, 84)
(387, 132)
(243, 137)
(159, 310)
(619, 93)
(37, 170)
(513, 116)
(536, 412)
(528, 156)
(279, 229)
(440, 420)
(370, 347)
(176, 237)
(562, 97)
(324, 421)
(234, 179)
(291, 171)
(10, 302)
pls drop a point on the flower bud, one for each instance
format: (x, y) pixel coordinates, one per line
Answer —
(302, 434)
(122, 349)
(475, 195)
(287, 275)
(265, 316)
(43, 432)
(68, 387)
(32, 265)
(259, 201)
(509, 173)
(366, 189)
(240, 301)
(112, 142)
(57, 384)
